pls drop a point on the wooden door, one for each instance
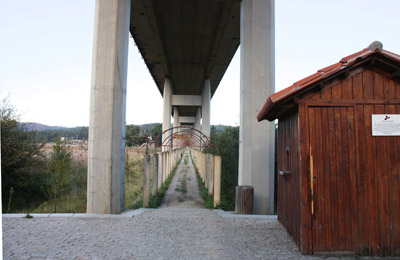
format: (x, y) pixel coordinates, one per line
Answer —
(333, 178)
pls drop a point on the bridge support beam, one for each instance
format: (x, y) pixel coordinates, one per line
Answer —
(167, 107)
(257, 62)
(206, 108)
(107, 107)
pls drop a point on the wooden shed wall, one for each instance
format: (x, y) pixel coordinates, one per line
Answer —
(289, 187)
(366, 216)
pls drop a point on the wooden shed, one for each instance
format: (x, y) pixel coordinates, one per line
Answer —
(339, 155)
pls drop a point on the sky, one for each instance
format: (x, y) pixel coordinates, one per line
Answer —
(46, 55)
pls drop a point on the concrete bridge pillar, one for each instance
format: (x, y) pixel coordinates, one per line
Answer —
(198, 117)
(107, 107)
(167, 107)
(206, 108)
(176, 117)
(176, 123)
(257, 69)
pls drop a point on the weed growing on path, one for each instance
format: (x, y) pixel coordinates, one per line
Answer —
(186, 159)
(182, 188)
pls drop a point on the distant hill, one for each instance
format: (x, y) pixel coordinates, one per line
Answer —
(47, 133)
(41, 127)
(146, 128)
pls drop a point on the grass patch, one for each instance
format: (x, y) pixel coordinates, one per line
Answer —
(208, 199)
(182, 188)
(70, 203)
(133, 176)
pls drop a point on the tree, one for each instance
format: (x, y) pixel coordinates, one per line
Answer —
(134, 136)
(22, 162)
(228, 143)
(76, 133)
(59, 168)
(155, 132)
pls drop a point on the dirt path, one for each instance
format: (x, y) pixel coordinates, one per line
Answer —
(183, 192)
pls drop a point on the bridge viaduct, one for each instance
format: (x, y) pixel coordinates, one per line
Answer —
(187, 46)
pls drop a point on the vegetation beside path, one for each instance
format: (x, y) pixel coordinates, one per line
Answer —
(40, 178)
(228, 146)
(207, 198)
(155, 201)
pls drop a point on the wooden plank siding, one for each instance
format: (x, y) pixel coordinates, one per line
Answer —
(289, 187)
(305, 197)
(348, 180)
(330, 148)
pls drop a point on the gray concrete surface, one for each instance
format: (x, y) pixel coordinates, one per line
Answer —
(257, 82)
(167, 109)
(206, 109)
(183, 191)
(108, 107)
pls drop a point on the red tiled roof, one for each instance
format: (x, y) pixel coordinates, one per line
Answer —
(274, 100)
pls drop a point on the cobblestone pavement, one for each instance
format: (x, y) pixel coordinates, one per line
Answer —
(170, 233)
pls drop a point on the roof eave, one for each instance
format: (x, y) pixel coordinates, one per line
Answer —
(275, 101)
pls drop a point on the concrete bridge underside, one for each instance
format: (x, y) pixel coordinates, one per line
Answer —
(187, 46)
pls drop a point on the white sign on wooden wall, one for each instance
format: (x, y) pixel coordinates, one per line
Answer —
(386, 125)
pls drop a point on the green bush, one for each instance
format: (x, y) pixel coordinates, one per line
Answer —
(66, 183)
(228, 144)
(23, 167)
(59, 169)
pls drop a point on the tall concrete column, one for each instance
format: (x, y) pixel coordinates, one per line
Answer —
(167, 107)
(107, 107)
(198, 117)
(206, 108)
(176, 123)
(257, 69)
(176, 117)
